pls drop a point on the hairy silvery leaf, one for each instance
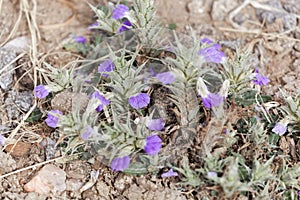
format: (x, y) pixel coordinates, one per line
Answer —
(259, 135)
(72, 123)
(146, 27)
(291, 112)
(105, 22)
(238, 72)
(59, 79)
(261, 172)
(289, 175)
(265, 193)
(144, 14)
(187, 59)
(137, 168)
(190, 176)
(213, 163)
(230, 181)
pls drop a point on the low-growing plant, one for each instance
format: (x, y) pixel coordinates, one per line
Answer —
(139, 56)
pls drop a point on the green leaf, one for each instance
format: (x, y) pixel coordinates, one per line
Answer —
(70, 47)
(136, 168)
(273, 139)
(249, 98)
(172, 26)
(35, 116)
(104, 9)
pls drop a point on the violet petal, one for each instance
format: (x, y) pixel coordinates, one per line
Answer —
(156, 124)
(140, 100)
(169, 173)
(165, 77)
(153, 145)
(120, 11)
(279, 129)
(51, 119)
(88, 131)
(40, 91)
(126, 25)
(120, 164)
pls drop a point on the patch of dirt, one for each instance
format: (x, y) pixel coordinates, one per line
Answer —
(276, 45)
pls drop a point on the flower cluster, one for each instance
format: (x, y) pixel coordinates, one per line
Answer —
(103, 100)
(165, 77)
(80, 39)
(140, 100)
(156, 124)
(106, 66)
(121, 89)
(40, 91)
(119, 13)
(52, 119)
(209, 99)
(211, 52)
(126, 25)
(152, 146)
(120, 164)
(260, 79)
(169, 173)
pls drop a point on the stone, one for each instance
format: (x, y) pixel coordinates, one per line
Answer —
(8, 164)
(67, 101)
(8, 53)
(49, 179)
(19, 149)
(7, 68)
(196, 6)
(222, 8)
(17, 102)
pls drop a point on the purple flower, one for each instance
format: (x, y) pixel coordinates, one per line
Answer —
(165, 77)
(88, 131)
(152, 72)
(298, 192)
(80, 39)
(279, 128)
(126, 25)
(212, 100)
(103, 100)
(93, 25)
(88, 81)
(2, 140)
(51, 119)
(40, 91)
(156, 124)
(211, 53)
(153, 145)
(206, 41)
(169, 174)
(120, 11)
(259, 79)
(106, 66)
(140, 100)
(99, 108)
(120, 164)
(212, 175)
